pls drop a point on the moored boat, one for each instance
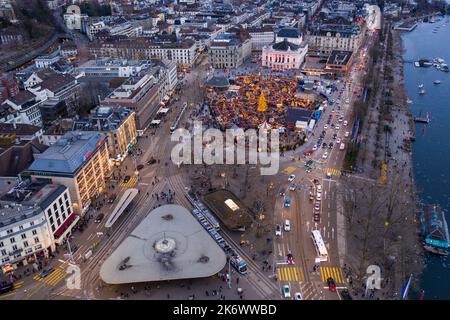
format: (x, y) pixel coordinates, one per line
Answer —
(437, 81)
(434, 230)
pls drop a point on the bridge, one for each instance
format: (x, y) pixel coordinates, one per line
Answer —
(124, 201)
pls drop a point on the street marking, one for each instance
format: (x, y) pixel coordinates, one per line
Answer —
(333, 272)
(333, 172)
(289, 170)
(54, 277)
(128, 184)
(290, 274)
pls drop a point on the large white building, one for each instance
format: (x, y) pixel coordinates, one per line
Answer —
(288, 51)
(73, 18)
(34, 219)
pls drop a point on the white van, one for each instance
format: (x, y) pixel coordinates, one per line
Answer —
(342, 146)
(287, 225)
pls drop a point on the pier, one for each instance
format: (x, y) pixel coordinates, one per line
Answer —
(421, 119)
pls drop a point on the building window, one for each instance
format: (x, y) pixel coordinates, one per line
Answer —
(20, 227)
(25, 244)
(3, 252)
(23, 235)
(32, 223)
(36, 240)
(12, 240)
(9, 231)
(14, 247)
(1, 244)
(60, 201)
(34, 232)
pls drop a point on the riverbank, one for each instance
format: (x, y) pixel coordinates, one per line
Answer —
(380, 204)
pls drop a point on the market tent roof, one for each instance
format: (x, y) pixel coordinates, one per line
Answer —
(218, 82)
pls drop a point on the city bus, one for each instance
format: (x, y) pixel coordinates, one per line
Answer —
(321, 250)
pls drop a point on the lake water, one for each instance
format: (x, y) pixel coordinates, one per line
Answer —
(431, 150)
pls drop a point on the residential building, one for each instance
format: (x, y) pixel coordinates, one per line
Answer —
(118, 123)
(44, 61)
(78, 160)
(141, 94)
(34, 219)
(230, 50)
(141, 48)
(27, 104)
(261, 37)
(105, 67)
(328, 37)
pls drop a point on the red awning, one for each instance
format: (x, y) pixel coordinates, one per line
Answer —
(64, 226)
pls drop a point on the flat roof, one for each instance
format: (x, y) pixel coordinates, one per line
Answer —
(168, 244)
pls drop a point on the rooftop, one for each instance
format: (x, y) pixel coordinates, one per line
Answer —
(168, 244)
(340, 58)
(27, 200)
(69, 153)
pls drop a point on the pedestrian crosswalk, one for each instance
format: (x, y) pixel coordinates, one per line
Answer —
(54, 277)
(17, 285)
(128, 184)
(290, 274)
(289, 170)
(334, 172)
(332, 272)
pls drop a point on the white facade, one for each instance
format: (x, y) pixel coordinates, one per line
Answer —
(31, 227)
(93, 28)
(73, 17)
(29, 113)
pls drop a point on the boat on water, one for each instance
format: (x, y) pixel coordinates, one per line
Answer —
(437, 81)
(422, 91)
(420, 85)
(444, 67)
(409, 101)
(434, 230)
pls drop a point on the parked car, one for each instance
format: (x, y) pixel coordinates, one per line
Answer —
(325, 155)
(151, 161)
(316, 217)
(293, 187)
(291, 177)
(140, 167)
(282, 193)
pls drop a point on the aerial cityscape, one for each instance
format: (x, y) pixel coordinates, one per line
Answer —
(261, 150)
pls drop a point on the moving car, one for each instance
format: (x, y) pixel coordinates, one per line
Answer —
(337, 127)
(319, 188)
(282, 193)
(324, 145)
(314, 147)
(347, 133)
(325, 127)
(316, 217)
(342, 147)
(126, 179)
(151, 161)
(331, 284)
(345, 122)
(308, 170)
(290, 258)
(311, 196)
(293, 187)
(287, 225)
(330, 145)
(278, 230)
(319, 196)
(338, 140)
(317, 206)
(287, 202)
(298, 296)
(286, 291)
(325, 155)
(140, 167)
(46, 272)
(99, 218)
(291, 177)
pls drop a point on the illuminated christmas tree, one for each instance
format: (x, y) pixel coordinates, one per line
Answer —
(262, 104)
